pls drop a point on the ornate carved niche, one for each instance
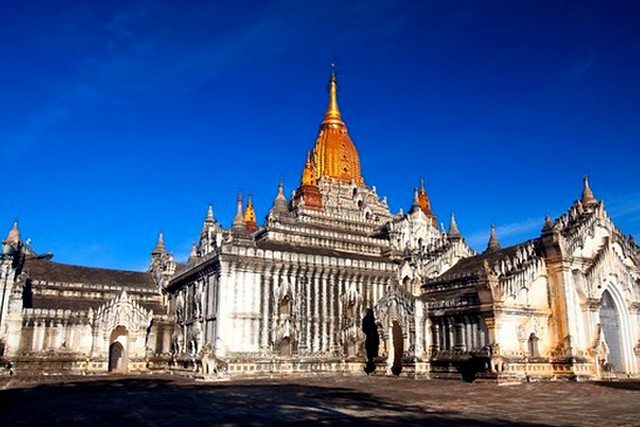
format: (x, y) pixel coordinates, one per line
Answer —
(122, 311)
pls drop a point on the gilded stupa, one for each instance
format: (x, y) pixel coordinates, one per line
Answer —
(335, 155)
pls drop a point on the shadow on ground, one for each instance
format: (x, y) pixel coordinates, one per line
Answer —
(150, 401)
(621, 385)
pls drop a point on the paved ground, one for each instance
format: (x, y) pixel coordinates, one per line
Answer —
(169, 400)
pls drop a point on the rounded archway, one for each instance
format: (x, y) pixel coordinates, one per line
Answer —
(611, 328)
(118, 357)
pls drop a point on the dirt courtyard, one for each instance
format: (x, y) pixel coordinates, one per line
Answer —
(172, 400)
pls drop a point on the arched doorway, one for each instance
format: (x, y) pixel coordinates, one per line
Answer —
(610, 323)
(397, 348)
(118, 357)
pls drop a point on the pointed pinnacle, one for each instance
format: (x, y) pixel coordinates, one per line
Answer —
(159, 248)
(493, 244)
(13, 237)
(210, 217)
(587, 195)
(454, 233)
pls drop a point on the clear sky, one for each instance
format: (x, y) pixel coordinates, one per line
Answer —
(120, 119)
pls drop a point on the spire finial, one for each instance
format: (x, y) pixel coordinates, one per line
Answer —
(159, 249)
(309, 174)
(13, 237)
(209, 217)
(332, 117)
(238, 220)
(415, 203)
(250, 215)
(280, 204)
(493, 244)
(548, 225)
(587, 195)
(194, 251)
(454, 233)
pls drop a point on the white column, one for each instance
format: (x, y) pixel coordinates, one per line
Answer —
(333, 300)
(316, 311)
(264, 326)
(307, 295)
(324, 314)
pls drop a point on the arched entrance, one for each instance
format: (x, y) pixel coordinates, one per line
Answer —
(397, 348)
(610, 323)
(118, 357)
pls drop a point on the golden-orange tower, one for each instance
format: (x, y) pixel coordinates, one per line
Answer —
(335, 155)
(250, 216)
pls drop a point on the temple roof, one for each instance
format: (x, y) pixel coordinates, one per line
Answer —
(58, 279)
(49, 271)
(474, 265)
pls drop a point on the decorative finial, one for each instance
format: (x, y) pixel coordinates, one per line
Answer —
(454, 233)
(332, 117)
(280, 204)
(210, 217)
(425, 204)
(493, 244)
(250, 215)
(13, 237)
(548, 225)
(159, 249)
(238, 220)
(587, 195)
(309, 173)
(194, 251)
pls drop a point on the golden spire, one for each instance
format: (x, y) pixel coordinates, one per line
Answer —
(425, 204)
(334, 155)
(309, 173)
(250, 216)
(332, 116)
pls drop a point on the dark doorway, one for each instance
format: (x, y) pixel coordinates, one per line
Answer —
(116, 357)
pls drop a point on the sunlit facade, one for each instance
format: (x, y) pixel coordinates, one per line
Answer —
(332, 281)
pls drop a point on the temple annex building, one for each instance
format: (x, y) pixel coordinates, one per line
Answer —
(332, 281)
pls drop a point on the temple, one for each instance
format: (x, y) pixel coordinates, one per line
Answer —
(332, 281)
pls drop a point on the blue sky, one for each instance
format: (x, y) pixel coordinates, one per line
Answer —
(120, 119)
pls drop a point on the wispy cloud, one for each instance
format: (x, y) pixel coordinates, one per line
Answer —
(506, 233)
